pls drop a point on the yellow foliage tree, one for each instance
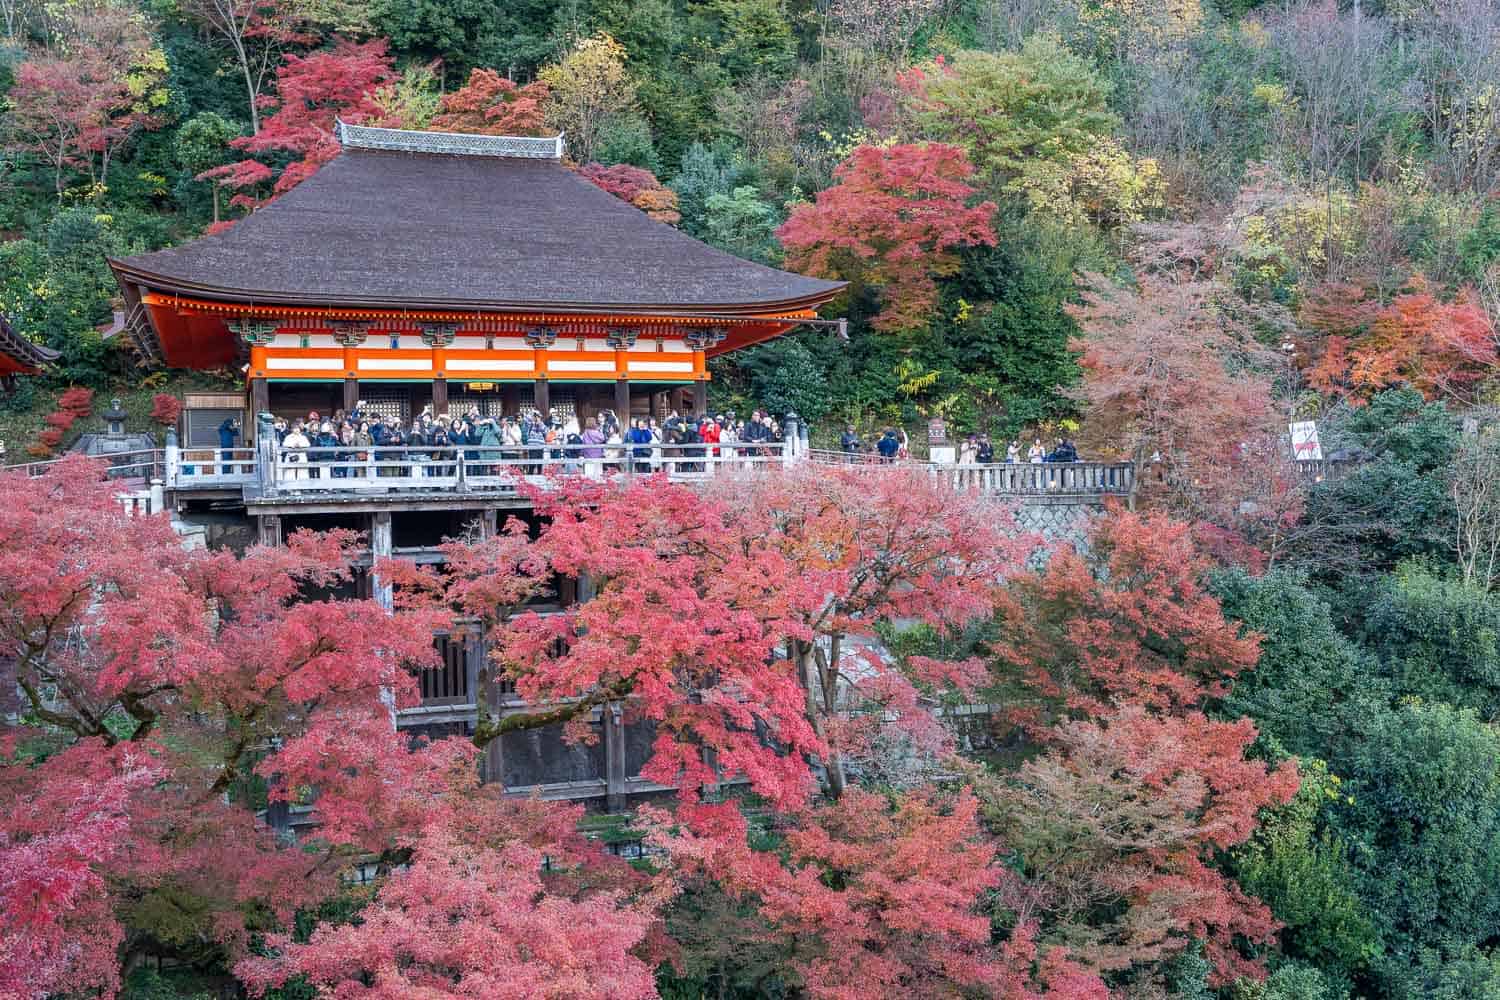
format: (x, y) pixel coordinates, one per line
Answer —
(587, 88)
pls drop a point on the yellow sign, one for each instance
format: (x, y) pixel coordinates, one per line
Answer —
(481, 386)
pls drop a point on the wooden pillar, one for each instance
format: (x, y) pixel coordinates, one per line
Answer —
(439, 397)
(492, 764)
(260, 398)
(269, 529)
(489, 523)
(351, 395)
(622, 403)
(614, 757)
(542, 400)
(700, 398)
(380, 548)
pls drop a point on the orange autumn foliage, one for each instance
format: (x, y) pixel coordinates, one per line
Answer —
(1443, 349)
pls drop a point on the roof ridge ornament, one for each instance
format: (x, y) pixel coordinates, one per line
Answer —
(455, 143)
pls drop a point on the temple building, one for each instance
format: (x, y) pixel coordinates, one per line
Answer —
(458, 272)
(19, 356)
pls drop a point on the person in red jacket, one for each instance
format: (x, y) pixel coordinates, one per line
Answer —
(709, 431)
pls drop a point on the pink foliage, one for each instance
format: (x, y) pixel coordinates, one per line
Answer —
(637, 186)
(312, 91)
(112, 616)
(165, 409)
(65, 820)
(77, 401)
(892, 221)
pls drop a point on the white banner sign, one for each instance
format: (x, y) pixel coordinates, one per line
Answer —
(1305, 446)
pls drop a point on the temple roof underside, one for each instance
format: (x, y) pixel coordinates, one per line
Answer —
(19, 356)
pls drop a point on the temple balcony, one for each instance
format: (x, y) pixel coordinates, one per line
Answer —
(470, 475)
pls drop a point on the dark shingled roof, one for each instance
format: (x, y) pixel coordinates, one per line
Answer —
(22, 353)
(452, 231)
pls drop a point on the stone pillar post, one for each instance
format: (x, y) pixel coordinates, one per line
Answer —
(266, 472)
(172, 456)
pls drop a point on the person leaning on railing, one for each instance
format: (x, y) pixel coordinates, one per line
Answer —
(296, 443)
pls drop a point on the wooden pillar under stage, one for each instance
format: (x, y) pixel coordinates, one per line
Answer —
(268, 529)
(380, 548)
(351, 394)
(700, 398)
(260, 399)
(540, 398)
(614, 757)
(439, 397)
(622, 403)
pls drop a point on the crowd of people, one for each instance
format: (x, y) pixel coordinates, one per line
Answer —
(976, 449)
(317, 446)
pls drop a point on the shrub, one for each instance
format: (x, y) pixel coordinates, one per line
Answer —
(165, 409)
(62, 420)
(50, 438)
(77, 401)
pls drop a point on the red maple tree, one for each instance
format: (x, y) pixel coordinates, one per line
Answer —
(491, 104)
(542, 914)
(132, 652)
(312, 93)
(892, 222)
(1444, 349)
(1127, 622)
(728, 616)
(1115, 832)
(165, 409)
(1107, 657)
(1174, 384)
(74, 108)
(637, 186)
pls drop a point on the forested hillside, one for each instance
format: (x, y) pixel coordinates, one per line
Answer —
(1247, 746)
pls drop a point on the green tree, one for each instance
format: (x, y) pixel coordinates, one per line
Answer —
(1391, 508)
(751, 37)
(743, 225)
(1424, 830)
(1014, 109)
(1437, 639)
(703, 172)
(515, 37)
(1480, 246)
(1310, 681)
(627, 139)
(1003, 318)
(1299, 868)
(785, 376)
(202, 143)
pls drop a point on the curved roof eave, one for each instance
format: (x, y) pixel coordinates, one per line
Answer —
(157, 282)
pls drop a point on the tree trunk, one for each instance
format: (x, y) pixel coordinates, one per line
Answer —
(813, 683)
(239, 50)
